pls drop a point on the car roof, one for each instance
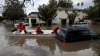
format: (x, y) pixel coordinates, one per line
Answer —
(77, 28)
(74, 28)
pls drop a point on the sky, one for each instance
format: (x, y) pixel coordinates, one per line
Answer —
(34, 8)
(87, 3)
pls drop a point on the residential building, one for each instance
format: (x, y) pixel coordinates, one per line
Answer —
(61, 14)
(34, 15)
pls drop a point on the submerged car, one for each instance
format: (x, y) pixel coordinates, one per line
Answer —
(76, 34)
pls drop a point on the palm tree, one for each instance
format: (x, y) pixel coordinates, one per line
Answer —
(82, 4)
(78, 4)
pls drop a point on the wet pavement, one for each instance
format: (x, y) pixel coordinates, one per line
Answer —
(40, 46)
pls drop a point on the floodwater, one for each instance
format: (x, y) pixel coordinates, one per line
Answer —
(40, 46)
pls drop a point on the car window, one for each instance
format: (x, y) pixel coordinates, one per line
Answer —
(64, 31)
(78, 33)
(93, 33)
(77, 23)
(84, 23)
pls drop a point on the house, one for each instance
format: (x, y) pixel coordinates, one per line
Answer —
(61, 14)
(34, 15)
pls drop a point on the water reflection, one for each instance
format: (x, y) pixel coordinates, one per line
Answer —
(43, 46)
(84, 48)
(3, 40)
(35, 48)
(48, 47)
(48, 43)
(76, 46)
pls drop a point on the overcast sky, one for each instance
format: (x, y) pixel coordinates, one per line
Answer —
(30, 8)
(87, 3)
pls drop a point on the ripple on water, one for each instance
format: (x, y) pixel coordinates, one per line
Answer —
(15, 51)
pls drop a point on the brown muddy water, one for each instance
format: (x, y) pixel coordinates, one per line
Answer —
(40, 46)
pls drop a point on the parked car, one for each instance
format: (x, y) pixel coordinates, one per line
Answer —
(76, 34)
(24, 22)
(80, 24)
(7, 22)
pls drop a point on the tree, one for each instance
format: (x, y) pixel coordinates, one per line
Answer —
(93, 11)
(72, 17)
(64, 4)
(13, 10)
(82, 4)
(78, 4)
(47, 12)
(90, 13)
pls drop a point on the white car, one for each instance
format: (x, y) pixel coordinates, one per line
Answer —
(25, 23)
(80, 24)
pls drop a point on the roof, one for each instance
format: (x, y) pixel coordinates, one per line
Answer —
(33, 13)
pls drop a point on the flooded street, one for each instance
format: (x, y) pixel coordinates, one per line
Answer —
(48, 46)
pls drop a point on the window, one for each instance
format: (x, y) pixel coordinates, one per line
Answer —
(55, 19)
(77, 23)
(84, 23)
(73, 11)
(78, 33)
(78, 18)
(83, 11)
(66, 18)
(66, 10)
(60, 18)
(63, 31)
(92, 33)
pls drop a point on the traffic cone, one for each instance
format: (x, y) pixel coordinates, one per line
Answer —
(64, 41)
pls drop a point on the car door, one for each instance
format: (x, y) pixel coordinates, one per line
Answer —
(78, 35)
(85, 34)
(74, 35)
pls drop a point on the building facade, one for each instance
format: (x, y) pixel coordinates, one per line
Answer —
(61, 14)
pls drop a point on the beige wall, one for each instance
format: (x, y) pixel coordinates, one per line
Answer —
(60, 14)
(34, 17)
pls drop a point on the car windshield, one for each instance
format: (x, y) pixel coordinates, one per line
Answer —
(77, 23)
(25, 21)
(64, 31)
(84, 23)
